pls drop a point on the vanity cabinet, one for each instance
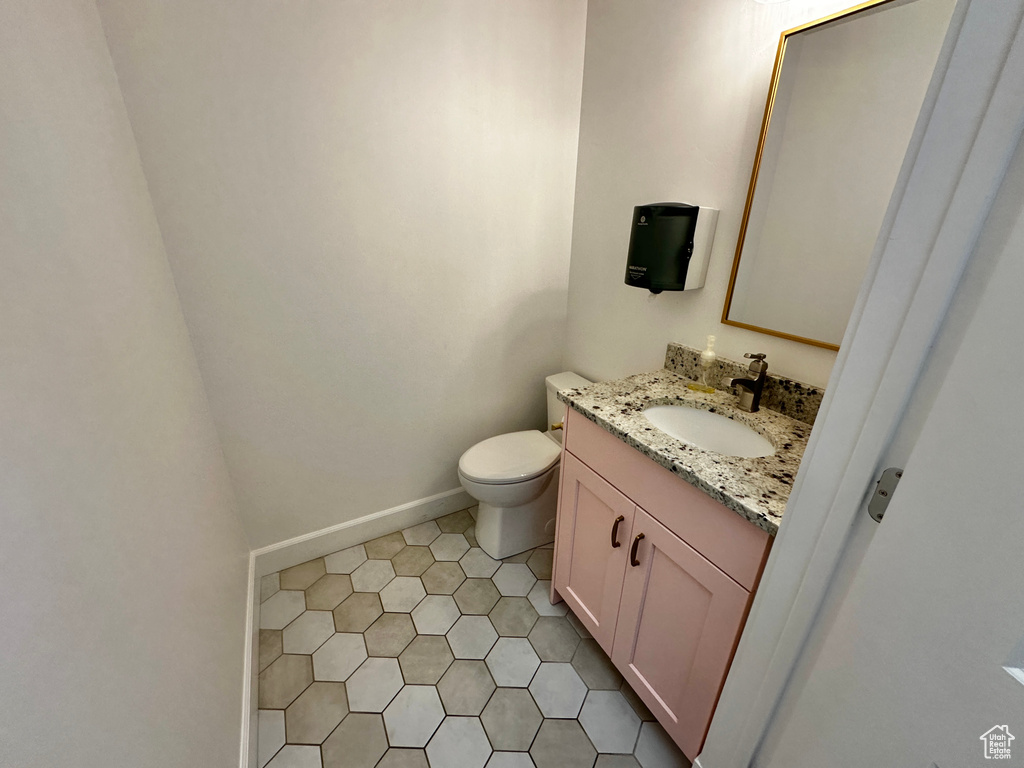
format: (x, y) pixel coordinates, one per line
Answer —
(661, 575)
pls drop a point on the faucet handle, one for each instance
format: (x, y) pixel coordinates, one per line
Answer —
(758, 364)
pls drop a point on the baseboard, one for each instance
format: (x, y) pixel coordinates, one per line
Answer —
(285, 554)
(247, 751)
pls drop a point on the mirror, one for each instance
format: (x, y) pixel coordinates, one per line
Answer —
(844, 100)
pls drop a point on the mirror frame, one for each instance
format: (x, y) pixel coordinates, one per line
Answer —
(765, 123)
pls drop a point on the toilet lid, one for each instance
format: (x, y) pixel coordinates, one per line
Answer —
(510, 458)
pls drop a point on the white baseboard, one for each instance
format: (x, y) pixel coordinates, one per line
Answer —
(285, 554)
(247, 756)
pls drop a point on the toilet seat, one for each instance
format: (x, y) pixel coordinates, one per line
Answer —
(510, 458)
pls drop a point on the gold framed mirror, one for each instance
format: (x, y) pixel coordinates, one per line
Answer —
(845, 96)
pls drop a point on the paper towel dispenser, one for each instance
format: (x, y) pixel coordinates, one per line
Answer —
(669, 246)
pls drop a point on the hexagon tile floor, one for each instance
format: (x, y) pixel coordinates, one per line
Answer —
(417, 650)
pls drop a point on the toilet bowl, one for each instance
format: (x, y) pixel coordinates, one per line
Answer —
(514, 477)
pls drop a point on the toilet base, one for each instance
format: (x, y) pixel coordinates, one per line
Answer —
(506, 531)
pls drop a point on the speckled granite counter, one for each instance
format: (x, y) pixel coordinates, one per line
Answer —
(757, 489)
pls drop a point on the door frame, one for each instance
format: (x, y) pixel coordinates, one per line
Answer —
(970, 124)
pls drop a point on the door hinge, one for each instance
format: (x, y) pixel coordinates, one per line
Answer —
(885, 487)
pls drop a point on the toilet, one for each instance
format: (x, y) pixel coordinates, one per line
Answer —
(515, 478)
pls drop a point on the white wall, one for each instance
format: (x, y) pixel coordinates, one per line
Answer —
(367, 208)
(124, 562)
(673, 97)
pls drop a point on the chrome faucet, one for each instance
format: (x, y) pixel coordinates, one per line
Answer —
(750, 389)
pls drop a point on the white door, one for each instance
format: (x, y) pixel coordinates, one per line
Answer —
(911, 672)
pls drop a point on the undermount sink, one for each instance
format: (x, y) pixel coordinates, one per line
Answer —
(709, 431)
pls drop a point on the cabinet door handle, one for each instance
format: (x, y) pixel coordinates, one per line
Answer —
(632, 550)
(615, 531)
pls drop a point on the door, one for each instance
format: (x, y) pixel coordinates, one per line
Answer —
(917, 666)
(594, 520)
(679, 621)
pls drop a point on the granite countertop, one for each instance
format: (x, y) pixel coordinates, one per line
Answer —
(756, 489)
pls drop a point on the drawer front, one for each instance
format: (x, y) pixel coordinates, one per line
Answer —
(679, 621)
(588, 568)
(735, 545)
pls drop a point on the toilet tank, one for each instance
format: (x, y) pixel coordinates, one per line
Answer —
(556, 408)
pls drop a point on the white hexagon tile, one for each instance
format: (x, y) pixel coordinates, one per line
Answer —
(418, 650)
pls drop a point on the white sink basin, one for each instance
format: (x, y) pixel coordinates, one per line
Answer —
(708, 431)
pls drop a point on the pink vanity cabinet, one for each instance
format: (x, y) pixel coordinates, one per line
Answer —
(661, 574)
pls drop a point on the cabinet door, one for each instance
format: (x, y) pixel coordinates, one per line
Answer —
(588, 568)
(679, 621)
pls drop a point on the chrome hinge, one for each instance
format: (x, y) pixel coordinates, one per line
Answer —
(885, 487)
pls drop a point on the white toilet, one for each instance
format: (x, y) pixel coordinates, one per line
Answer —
(515, 479)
